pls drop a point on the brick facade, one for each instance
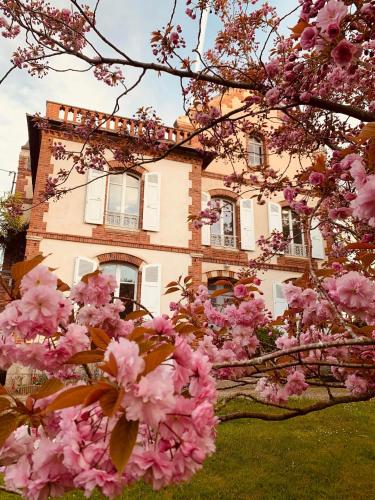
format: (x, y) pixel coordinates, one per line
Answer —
(201, 257)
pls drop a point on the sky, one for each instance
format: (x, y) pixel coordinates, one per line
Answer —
(129, 25)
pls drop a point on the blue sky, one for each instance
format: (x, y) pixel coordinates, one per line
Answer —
(129, 25)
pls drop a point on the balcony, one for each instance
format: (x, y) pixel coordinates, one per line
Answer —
(296, 250)
(223, 241)
(114, 123)
(123, 221)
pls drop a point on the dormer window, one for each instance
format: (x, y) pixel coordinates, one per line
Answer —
(123, 201)
(255, 151)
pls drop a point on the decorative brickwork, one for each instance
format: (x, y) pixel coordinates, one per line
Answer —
(223, 193)
(120, 257)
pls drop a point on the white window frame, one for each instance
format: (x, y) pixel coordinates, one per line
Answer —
(290, 220)
(118, 274)
(222, 235)
(253, 155)
(119, 219)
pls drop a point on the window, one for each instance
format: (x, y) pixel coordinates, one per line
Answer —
(293, 231)
(123, 201)
(223, 231)
(126, 277)
(220, 300)
(255, 151)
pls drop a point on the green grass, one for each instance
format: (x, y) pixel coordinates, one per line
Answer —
(326, 455)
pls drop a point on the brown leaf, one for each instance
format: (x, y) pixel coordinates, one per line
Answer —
(100, 338)
(298, 28)
(85, 357)
(93, 397)
(325, 272)
(110, 366)
(49, 387)
(19, 269)
(187, 278)
(367, 132)
(136, 315)
(63, 287)
(3, 390)
(172, 283)
(122, 441)
(86, 277)
(71, 397)
(185, 328)
(5, 403)
(245, 281)
(156, 357)
(139, 331)
(367, 259)
(110, 402)
(224, 283)
(171, 290)
(216, 293)
(359, 246)
(8, 423)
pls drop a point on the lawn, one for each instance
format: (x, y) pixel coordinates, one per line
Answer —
(326, 455)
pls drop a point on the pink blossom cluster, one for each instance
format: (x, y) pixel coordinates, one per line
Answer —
(210, 215)
(69, 448)
(176, 432)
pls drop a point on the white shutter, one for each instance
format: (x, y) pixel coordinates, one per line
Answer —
(247, 225)
(317, 241)
(206, 228)
(151, 204)
(279, 302)
(151, 287)
(95, 196)
(274, 217)
(82, 266)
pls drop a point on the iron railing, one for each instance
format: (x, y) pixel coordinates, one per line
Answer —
(126, 221)
(223, 241)
(296, 250)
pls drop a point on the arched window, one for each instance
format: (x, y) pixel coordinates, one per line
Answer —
(220, 300)
(293, 231)
(123, 201)
(223, 231)
(255, 151)
(126, 277)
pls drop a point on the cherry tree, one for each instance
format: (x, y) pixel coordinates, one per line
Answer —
(139, 393)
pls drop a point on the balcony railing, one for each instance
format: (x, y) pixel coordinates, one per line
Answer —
(113, 123)
(125, 221)
(296, 250)
(223, 241)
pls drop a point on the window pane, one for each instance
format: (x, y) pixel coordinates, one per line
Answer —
(127, 291)
(297, 229)
(132, 201)
(114, 198)
(127, 274)
(116, 179)
(285, 221)
(255, 151)
(132, 181)
(227, 216)
(108, 269)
